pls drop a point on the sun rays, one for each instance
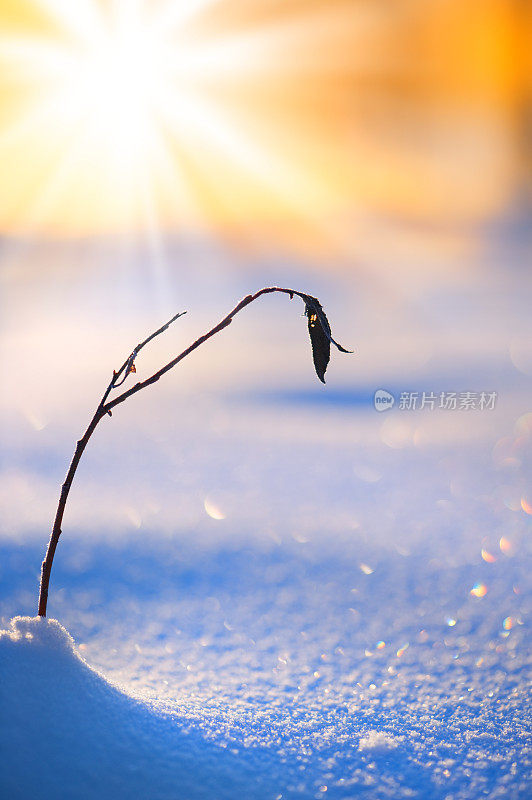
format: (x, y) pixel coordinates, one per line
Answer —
(122, 115)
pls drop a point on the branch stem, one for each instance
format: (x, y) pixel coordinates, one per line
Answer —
(105, 407)
(217, 328)
(63, 497)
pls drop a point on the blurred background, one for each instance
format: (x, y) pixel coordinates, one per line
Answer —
(167, 155)
(239, 536)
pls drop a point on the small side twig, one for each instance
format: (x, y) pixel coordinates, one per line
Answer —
(320, 335)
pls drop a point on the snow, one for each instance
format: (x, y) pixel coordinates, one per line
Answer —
(312, 655)
(379, 741)
(272, 590)
(67, 732)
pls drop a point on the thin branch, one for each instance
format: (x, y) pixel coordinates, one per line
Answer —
(217, 328)
(320, 346)
(128, 363)
(124, 370)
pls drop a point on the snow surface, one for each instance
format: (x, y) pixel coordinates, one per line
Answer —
(298, 597)
(374, 655)
(67, 732)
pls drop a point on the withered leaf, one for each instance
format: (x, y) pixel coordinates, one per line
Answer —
(321, 346)
(320, 335)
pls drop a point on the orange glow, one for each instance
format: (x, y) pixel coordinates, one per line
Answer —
(249, 115)
(212, 510)
(526, 506)
(506, 546)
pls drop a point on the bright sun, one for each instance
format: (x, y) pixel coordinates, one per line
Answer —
(128, 120)
(114, 90)
(237, 116)
(114, 83)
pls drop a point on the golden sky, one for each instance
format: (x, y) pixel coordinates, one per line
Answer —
(245, 115)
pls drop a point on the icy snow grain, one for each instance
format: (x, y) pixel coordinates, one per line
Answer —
(379, 741)
(46, 633)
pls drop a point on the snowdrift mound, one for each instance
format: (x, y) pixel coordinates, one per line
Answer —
(67, 733)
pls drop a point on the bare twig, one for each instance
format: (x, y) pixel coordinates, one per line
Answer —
(316, 316)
